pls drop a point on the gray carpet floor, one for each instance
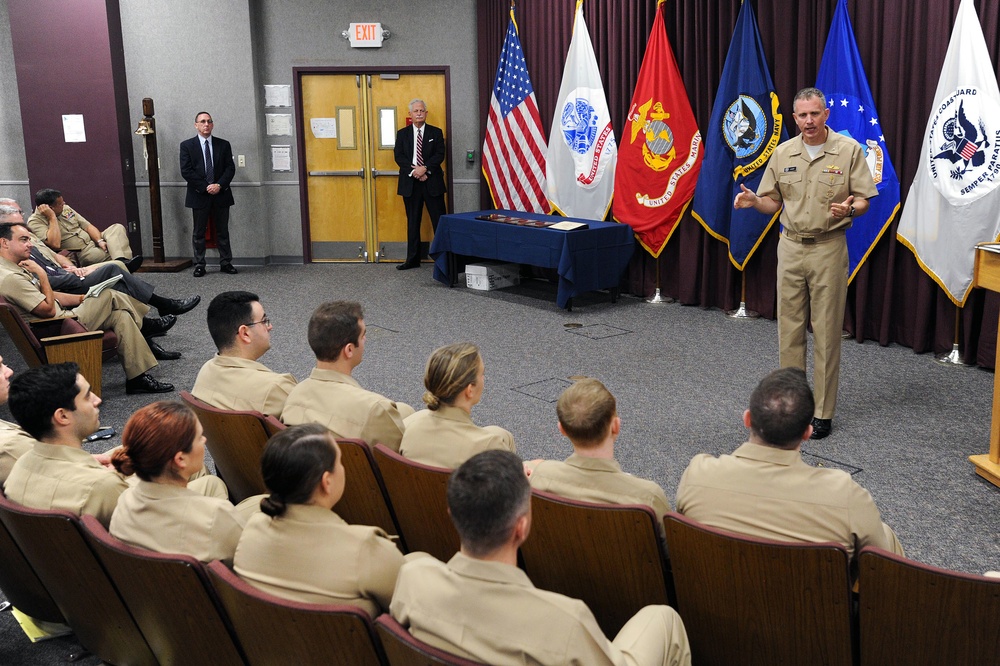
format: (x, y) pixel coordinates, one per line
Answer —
(904, 429)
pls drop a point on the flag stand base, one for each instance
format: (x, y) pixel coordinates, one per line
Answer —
(658, 299)
(952, 357)
(742, 312)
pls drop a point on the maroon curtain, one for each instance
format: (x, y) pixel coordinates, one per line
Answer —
(902, 44)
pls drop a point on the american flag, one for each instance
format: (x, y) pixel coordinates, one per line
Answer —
(514, 150)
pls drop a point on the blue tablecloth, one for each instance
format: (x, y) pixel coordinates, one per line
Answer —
(586, 259)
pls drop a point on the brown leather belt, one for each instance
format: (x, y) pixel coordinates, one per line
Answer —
(811, 239)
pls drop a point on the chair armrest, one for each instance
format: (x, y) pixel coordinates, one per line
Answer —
(73, 337)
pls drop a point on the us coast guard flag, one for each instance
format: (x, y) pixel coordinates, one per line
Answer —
(514, 149)
(580, 166)
(954, 202)
(745, 128)
(852, 112)
(661, 152)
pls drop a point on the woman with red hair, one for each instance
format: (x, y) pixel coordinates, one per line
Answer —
(164, 445)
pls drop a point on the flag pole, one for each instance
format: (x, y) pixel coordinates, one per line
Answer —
(742, 312)
(953, 357)
(656, 297)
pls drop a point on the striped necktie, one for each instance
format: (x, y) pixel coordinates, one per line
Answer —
(420, 146)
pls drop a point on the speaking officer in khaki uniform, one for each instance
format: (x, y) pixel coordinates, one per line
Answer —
(588, 416)
(62, 228)
(330, 395)
(822, 181)
(482, 607)
(765, 489)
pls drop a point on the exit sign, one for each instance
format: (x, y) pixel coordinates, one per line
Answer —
(365, 35)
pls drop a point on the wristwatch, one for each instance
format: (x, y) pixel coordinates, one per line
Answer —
(851, 212)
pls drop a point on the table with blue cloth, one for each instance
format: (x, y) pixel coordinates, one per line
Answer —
(585, 259)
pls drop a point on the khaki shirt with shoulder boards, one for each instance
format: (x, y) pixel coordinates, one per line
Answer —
(447, 437)
(72, 226)
(14, 443)
(311, 555)
(806, 187)
(337, 401)
(230, 382)
(773, 494)
(52, 476)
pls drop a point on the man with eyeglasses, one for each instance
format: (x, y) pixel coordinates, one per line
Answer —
(233, 379)
(207, 166)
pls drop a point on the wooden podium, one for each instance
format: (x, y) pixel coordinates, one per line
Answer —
(987, 276)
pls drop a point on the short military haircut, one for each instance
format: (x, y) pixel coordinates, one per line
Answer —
(585, 411)
(226, 313)
(7, 229)
(486, 496)
(7, 209)
(36, 394)
(202, 113)
(808, 93)
(46, 196)
(781, 408)
(332, 326)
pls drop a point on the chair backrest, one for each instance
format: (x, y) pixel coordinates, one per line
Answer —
(754, 601)
(913, 613)
(365, 501)
(418, 494)
(170, 598)
(54, 544)
(402, 649)
(607, 555)
(278, 631)
(235, 439)
(20, 583)
(24, 338)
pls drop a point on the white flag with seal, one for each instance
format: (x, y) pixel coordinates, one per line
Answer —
(954, 202)
(580, 165)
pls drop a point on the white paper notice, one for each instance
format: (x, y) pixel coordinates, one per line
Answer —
(277, 96)
(387, 128)
(278, 124)
(281, 158)
(73, 128)
(324, 128)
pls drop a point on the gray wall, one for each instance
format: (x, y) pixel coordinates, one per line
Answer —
(216, 56)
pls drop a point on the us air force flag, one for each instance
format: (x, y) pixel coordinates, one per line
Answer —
(852, 112)
(745, 128)
(954, 202)
(580, 165)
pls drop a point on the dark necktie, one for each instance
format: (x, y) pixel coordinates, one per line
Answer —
(420, 146)
(209, 165)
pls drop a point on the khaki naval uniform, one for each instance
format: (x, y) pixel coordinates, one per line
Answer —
(337, 401)
(231, 382)
(599, 480)
(812, 252)
(14, 443)
(171, 519)
(490, 612)
(53, 476)
(311, 555)
(73, 228)
(447, 437)
(111, 310)
(772, 493)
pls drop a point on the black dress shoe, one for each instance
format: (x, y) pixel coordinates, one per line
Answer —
(228, 268)
(133, 264)
(145, 383)
(156, 326)
(199, 271)
(177, 306)
(821, 428)
(407, 265)
(161, 354)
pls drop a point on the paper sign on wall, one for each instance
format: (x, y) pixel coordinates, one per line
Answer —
(324, 128)
(73, 129)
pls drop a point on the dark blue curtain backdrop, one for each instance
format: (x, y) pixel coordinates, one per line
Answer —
(902, 44)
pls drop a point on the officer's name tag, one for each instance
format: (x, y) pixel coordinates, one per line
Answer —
(790, 169)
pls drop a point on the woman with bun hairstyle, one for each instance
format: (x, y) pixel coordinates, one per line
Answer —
(164, 446)
(298, 548)
(443, 435)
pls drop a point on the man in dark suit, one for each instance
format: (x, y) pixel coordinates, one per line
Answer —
(419, 153)
(208, 192)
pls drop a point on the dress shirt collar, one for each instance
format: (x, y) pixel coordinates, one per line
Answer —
(594, 464)
(333, 376)
(492, 572)
(769, 454)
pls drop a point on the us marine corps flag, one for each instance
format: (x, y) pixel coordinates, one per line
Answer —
(580, 165)
(954, 202)
(660, 155)
(745, 128)
(852, 112)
